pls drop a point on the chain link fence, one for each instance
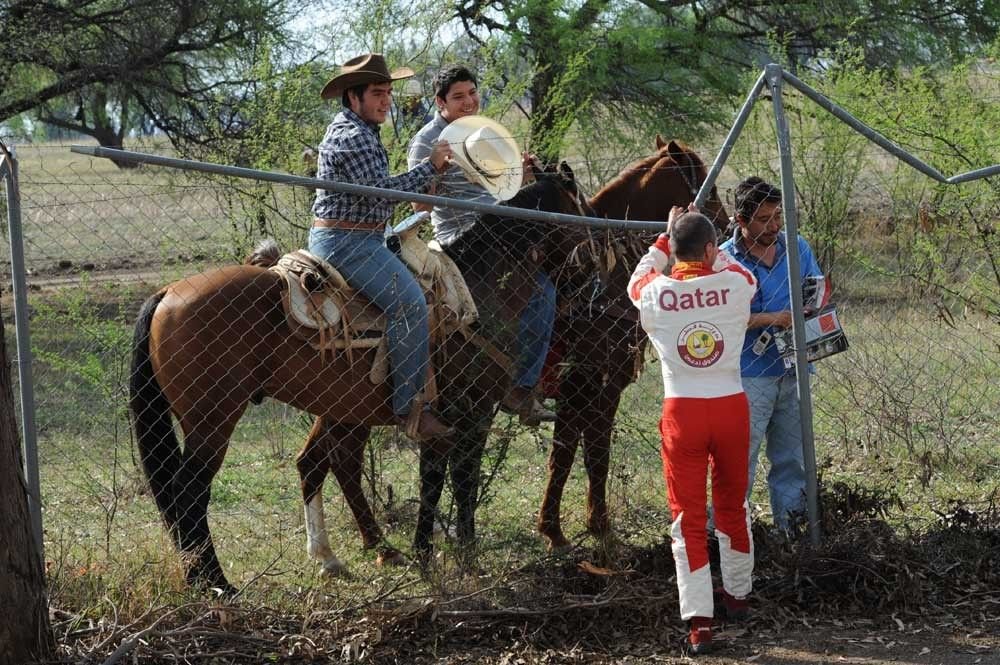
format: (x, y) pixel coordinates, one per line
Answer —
(905, 420)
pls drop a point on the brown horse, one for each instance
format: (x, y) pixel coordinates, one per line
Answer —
(207, 346)
(601, 338)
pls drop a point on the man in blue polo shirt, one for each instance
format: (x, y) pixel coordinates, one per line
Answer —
(760, 244)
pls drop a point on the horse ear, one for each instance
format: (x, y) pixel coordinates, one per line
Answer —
(675, 149)
(566, 171)
(660, 142)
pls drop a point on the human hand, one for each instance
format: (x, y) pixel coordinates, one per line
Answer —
(781, 319)
(529, 165)
(675, 212)
(441, 156)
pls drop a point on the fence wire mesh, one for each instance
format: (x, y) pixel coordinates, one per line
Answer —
(905, 420)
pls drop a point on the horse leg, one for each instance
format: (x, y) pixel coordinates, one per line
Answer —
(565, 439)
(313, 463)
(597, 458)
(466, 472)
(597, 434)
(433, 464)
(346, 458)
(205, 442)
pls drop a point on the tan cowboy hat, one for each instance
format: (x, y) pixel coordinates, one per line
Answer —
(487, 153)
(368, 68)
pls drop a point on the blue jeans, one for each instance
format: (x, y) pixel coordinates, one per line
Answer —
(368, 266)
(535, 332)
(774, 414)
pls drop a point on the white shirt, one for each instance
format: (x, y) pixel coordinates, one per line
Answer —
(695, 320)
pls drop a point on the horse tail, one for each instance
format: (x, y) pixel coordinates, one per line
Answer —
(159, 450)
(265, 255)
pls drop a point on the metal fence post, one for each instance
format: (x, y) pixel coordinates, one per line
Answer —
(8, 171)
(773, 72)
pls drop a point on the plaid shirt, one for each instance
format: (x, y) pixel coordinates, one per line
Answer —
(352, 151)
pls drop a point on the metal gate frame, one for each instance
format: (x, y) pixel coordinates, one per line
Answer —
(8, 173)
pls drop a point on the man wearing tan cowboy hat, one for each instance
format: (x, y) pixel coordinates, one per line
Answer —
(486, 167)
(348, 229)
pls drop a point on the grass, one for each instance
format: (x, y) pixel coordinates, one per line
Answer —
(81, 211)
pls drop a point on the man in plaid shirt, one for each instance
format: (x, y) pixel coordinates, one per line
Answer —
(348, 230)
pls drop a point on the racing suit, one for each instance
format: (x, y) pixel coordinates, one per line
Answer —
(696, 318)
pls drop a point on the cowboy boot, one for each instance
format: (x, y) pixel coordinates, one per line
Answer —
(520, 401)
(422, 425)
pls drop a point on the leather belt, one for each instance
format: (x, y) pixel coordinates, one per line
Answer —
(347, 225)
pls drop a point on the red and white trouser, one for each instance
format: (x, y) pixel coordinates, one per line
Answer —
(698, 432)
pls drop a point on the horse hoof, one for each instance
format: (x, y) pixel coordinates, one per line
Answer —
(443, 531)
(390, 557)
(334, 569)
(556, 543)
(599, 528)
(559, 547)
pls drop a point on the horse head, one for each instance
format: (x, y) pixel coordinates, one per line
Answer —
(569, 249)
(646, 190)
(554, 189)
(676, 159)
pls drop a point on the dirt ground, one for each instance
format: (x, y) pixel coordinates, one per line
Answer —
(817, 644)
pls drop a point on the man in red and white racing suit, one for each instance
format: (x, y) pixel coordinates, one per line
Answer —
(696, 317)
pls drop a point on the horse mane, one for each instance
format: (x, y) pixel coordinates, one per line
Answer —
(542, 194)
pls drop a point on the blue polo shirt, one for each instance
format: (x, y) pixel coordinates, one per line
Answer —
(772, 296)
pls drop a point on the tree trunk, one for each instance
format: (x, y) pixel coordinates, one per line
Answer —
(25, 633)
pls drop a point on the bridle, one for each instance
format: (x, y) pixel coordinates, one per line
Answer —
(692, 187)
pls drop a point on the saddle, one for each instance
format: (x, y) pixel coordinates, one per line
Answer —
(325, 311)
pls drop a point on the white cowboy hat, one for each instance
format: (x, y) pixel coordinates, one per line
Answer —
(487, 153)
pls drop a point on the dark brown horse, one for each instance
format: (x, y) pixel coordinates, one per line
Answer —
(209, 345)
(598, 336)
(601, 338)
(469, 397)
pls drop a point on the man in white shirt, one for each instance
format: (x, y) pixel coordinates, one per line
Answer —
(696, 317)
